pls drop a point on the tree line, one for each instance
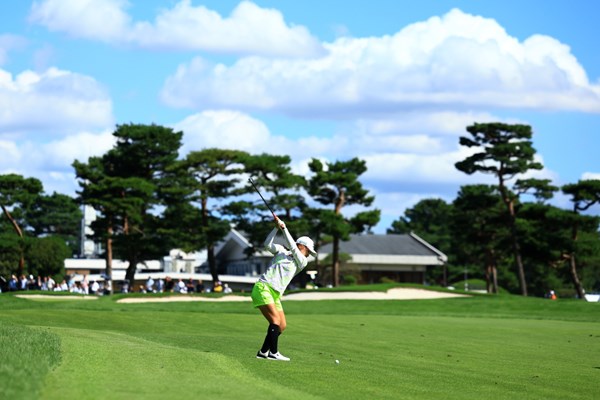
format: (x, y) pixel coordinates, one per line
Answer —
(39, 230)
(150, 200)
(492, 232)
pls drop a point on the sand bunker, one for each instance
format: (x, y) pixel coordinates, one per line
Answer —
(52, 297)
(184, 298)
(392, 294)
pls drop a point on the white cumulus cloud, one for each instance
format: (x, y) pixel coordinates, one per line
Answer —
(104, 20)
(590, 176)
(54, 101)
(51, 161)
(249, 29)
(408, 167)
(60, 154)
(224, 128)
(457, 61)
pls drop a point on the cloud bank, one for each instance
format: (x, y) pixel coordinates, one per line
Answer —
(457, 61)
(249, 29)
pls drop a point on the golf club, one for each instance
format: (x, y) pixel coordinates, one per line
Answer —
(263, 199)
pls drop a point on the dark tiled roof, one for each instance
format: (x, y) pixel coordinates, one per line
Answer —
(403, 245)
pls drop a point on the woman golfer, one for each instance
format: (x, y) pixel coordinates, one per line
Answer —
(270, 286)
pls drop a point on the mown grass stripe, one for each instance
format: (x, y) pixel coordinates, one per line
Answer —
(119, 366)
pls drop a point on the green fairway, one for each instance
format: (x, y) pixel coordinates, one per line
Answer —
(502, 347)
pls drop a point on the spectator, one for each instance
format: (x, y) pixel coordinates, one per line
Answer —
(51, 283)
(150, 285)
(63, 287)
(125, 286)
(85, 286)
(181, 288)
(169, 284)
(12, 283)
(190, 286)
(227, 289)
(95, 287)
(31, 283)
(160, 285)
(200, 287)
(76, 288)
(218, 287)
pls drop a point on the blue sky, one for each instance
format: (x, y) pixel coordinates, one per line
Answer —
(393, 83)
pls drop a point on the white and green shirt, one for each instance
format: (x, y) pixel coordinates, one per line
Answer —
(285, 264)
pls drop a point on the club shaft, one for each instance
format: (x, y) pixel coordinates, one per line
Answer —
(261, 196)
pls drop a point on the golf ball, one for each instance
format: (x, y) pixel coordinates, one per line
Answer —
(337, 361)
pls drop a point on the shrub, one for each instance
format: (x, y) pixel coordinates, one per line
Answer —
(350, 280)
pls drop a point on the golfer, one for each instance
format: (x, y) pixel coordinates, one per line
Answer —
(270, 286)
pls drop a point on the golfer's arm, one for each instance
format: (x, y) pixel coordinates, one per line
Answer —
(298, 256)
(269, 246)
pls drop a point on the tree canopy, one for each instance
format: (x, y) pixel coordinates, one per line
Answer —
(337, 185)
(505, 151)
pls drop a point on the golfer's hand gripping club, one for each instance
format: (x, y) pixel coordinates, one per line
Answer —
(279, 222)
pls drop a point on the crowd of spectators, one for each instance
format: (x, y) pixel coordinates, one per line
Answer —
(83, 286)
(169, 285)
(47, 283)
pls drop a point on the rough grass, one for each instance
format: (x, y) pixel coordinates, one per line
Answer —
(26, 356)
(500, 347)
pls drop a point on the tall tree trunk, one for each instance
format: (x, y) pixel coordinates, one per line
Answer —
(335, 267)
(335, 270)
(518, 261)
(573, 262)
(132, 262)
(494, 271)
(109, 255)
(491, 272)
(131, 268)
(132, 256)
(19, 232)
(212, 263)
(210, 248)
(445, 275)
(488, 270)
(575, 277)
(516, 247)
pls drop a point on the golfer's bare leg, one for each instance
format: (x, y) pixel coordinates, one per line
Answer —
(274, 316)
(282, 321)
